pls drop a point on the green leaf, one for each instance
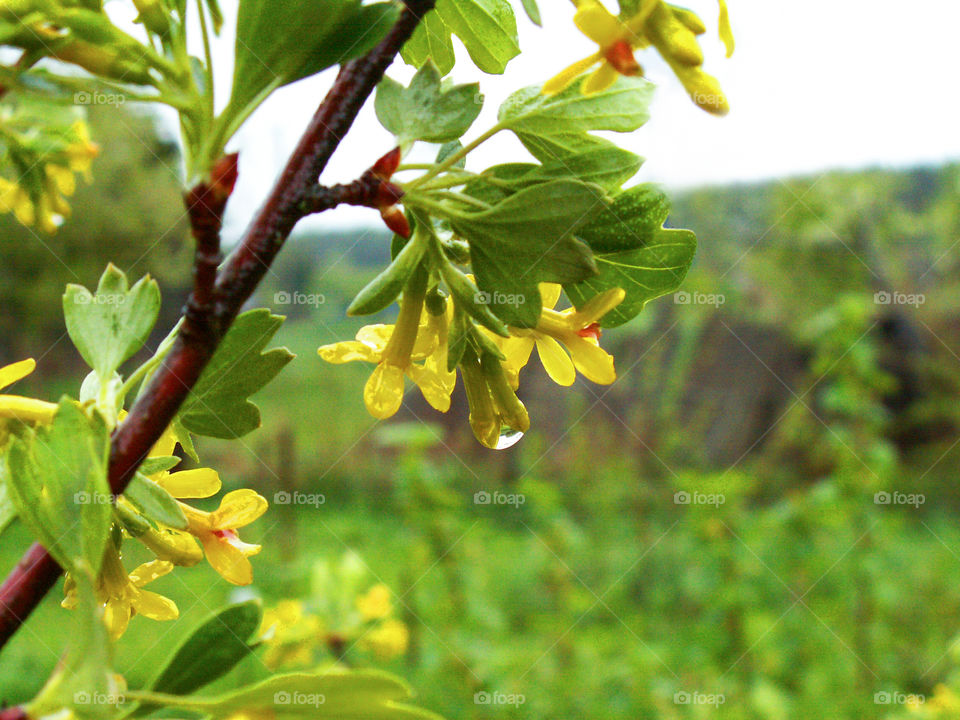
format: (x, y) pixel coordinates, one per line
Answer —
(154, 465)
(533, 11)
(358, 695)
(526, 239)
(623, 107)
(112, 324)
(546, 148)
(218, 406)
(8, 511)
(57, 478)
(317, 34)
(154, 503)
(427, 110)
(488, 29)
(634, 252)
(212, 650)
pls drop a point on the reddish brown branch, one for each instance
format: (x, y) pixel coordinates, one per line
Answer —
(215, 305)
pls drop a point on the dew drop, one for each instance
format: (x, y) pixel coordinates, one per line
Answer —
(508, 438)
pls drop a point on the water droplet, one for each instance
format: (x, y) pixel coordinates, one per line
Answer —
(508, 438)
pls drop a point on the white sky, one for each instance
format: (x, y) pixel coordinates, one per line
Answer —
(813, 85)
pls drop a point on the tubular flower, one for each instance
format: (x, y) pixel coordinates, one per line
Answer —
(576, 330)
(495, 409)
(389, 639)
(217, 532)
(669, 29)
(121, 594)
(418, 337)
(15, 407)
(375, 604)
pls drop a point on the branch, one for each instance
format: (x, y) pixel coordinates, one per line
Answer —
(214, 305)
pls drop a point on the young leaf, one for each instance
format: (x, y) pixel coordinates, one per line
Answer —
(218, 405)
(57, 478)
(317, 34)
(621, 108)
(488, 29)
(154, 503)
(109, 326)
(427, 110)
(365, 694)
(533, 11)
(8, 512)
(212, 650)
(526, 239)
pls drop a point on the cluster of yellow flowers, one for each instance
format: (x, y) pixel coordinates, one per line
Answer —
(44, 204)
(671, 30)
(293, 636)
(416, 347)
(211, 534)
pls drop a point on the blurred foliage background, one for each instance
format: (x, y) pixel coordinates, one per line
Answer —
(801, 392)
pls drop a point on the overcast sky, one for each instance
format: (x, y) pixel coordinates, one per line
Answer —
(813, 85)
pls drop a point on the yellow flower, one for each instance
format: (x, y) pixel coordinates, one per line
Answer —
(389, 639)
(15, 407)
(671, 30)
(184, 484)
(616, 41)
(290, 635)
(577, 331)
(121, 594)
(375, 604)
(495, 409)
(416, 347)
(217, 532)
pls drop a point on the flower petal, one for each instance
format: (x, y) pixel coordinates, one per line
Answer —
(26, 409)
(165, 446)
(726, 32)
(550, 294)
(148, 572)
(434, 386)
(12, 373)
(517, 351)
(116, 616)
(237, 509)
(563, 79)
(186, 484)
(383, 393)
(598, 306)
(555, 361)
(154, 606)
(599, 80)
(376, 336)
(593, 362)
(228, 561)
(348, 351)
(598, 23)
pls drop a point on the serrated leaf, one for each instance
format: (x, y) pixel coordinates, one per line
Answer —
(57, 479)
(154, 503)
(109, 326)
(488, 29)
(426, 110)
(212, 650)
(355, 695)
(218, 406)
(623, 107)
(526, 239)
(630, 222)
(645, 273)
(546, 148)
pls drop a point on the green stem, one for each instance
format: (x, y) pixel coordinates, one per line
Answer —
(208, 55)
(456, 157)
